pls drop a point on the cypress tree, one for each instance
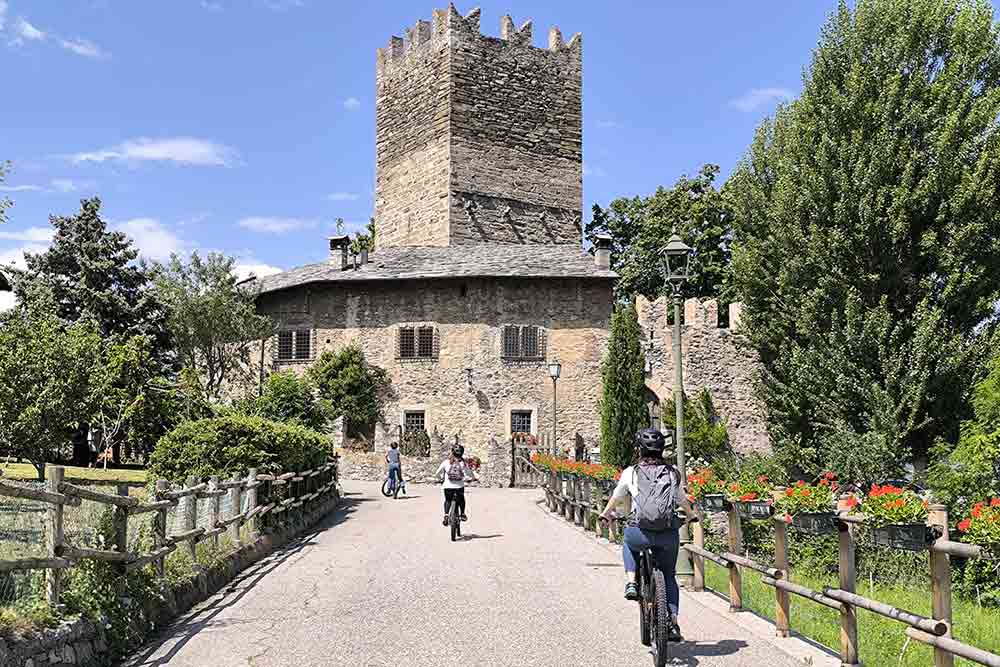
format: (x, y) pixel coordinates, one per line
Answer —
(623, 400)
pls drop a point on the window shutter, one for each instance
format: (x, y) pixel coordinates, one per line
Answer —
(437, 344)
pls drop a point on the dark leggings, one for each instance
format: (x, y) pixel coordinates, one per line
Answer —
(454, 494)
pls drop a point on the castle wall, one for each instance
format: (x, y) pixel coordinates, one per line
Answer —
(574, 313)
(479, 139)
(714, 358)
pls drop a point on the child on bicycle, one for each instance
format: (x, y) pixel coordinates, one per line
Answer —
(657, 491)
(392, 457)
(453, 472)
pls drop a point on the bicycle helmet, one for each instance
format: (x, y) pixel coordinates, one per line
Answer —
(649, 441)
(457, 451)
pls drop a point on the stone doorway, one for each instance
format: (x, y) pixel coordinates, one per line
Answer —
(654, 410)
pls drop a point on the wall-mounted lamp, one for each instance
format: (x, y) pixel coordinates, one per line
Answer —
(468, 378)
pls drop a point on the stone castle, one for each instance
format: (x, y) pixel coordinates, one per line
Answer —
(479, 278)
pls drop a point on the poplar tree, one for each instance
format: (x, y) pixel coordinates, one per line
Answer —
(623, 400)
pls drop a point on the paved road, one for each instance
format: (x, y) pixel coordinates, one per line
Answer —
(381, 584)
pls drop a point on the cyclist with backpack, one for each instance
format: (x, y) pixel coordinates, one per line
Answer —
(657, 491)
(392, 457)
(454, 471)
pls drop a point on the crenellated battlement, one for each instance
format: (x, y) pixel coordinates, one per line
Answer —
(447, 24)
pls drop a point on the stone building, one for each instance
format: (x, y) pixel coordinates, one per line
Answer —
(479, 277)
(714, 357)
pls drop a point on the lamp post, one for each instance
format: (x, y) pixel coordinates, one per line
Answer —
(676, 257)
(555, 369)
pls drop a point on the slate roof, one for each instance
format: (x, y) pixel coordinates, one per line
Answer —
(469, 261)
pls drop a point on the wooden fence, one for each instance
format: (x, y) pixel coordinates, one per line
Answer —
(272, 502)
(580, 500)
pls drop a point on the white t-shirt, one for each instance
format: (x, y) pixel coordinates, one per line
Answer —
(628, 485)
(442, 471)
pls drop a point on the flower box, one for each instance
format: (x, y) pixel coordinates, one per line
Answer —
(714, 502)
(754, 510)
(815, 523)
(908, 536)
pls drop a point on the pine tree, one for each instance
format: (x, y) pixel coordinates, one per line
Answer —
(623, 401)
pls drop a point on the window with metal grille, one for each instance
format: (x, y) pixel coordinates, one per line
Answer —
(520, 421)
(425, 342)
(413, 421)
(527, 343)
(295, 345)
(407, 343)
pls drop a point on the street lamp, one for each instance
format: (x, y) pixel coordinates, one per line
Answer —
(676, 259)
(555, 369)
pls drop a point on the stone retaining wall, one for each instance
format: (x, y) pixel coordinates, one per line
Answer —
(371, 467)
(83, 642)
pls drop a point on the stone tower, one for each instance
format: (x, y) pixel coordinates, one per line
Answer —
(478, 139)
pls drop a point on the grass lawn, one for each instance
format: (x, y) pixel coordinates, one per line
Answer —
(882, 640)
(26, 471)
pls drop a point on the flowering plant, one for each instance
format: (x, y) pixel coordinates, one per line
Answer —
(473, 462)
(560, 465)
(748, 490)
(704, 482)
(802, 497)
(982, 526)
(890, 504)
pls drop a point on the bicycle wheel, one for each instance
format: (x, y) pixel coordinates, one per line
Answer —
(454, 519)
(396, 483)
(386, 490)
(660, 620)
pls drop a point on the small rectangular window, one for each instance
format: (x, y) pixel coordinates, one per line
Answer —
(295, 345)
(520, 421)
(286, 345)
(425, 342)
(511, 346)
(525, 343)
(303, 344)
(407, 343)
(529, 342)
(413, 421)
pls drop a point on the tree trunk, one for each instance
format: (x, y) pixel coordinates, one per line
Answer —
(81, 448)
(40, 470)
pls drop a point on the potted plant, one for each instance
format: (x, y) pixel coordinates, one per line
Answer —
(708, 491)
(982, 527)
(809, 508)
(751, 498)
(898, 518)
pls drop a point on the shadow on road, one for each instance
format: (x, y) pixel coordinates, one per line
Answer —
(202, 616)
(473, 536)
(689, 652)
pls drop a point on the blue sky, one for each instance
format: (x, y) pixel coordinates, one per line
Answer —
(247, 126)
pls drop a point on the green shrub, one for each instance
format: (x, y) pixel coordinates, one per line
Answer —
(705, 434)
(230, 445)
(979, 580)
(290, 399)
(352, 388)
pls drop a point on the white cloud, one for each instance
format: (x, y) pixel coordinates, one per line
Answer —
(25, 30)
(15, 257)
(760, 97)
(180, 150)
(268, 225)
(246, 268)
(211, 6)
(352, 104)
(85, 48)
(21, 188)
(343, 196)
(30, 235)
(70, 185)
(153, 240)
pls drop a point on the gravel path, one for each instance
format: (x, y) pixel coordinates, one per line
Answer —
(381, 584)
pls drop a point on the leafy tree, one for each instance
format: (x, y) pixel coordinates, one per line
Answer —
(867, 233)
(290, 399)
(352, 387)
(640, 227)
(364, 241)
(214, 322)
(45, 367)
(92, 273)
(705, 434)
(623, 399)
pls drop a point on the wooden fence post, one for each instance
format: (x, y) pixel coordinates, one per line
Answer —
(235, 507)
(160, 524)
(848, 582)
(782, 602)
(213, 508)
(191, 519)
(54, 535)
(252, 503)
(577, 501)
(121, 525)
(554, 485)
(698, 535)
(736, 547)
(941, 582)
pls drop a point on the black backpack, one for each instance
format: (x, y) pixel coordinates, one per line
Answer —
(655, 506)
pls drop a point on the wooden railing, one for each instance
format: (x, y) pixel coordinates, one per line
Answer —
(273, 504)
(580, 500)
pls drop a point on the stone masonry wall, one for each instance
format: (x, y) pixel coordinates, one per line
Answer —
(469, 316)
(478, 139)
(714, 358)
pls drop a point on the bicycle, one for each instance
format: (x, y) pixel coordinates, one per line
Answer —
(454, 520)
(390, 487)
